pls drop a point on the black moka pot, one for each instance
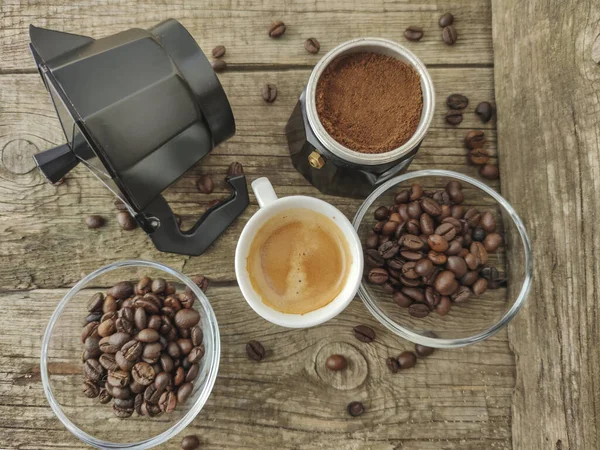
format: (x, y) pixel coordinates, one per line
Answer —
(139, 109)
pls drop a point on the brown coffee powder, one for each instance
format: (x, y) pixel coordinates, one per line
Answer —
(368, 102)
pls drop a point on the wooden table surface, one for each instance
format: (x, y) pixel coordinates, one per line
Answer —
(455, 399)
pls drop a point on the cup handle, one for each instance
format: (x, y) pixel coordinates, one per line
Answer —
(264, 192)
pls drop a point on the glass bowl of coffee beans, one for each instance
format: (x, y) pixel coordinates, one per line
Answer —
(130, 355)
(447, 260)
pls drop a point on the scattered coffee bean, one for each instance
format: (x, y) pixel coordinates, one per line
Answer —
(446, 20)
(449, 35)
(312, 46)
(406, 360)
(269, 92)
(457, 101)
(276, 29)
(219, 51)
(454, 117)
(479, 156)
(126, 221)
(255, 350)
(475, 139)
(219, 65)
(336, 362)
(355, 409)
(364, 333)
(423, 351)
(484, 110)
(413, 33)
(489, 171)
(190, 442)
(205, 184)
(94, 221)
(235, 169)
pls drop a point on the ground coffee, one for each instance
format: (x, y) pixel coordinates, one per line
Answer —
(368, 102)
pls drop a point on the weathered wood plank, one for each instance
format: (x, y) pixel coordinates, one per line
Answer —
(242, 26)
(453, 399)
(548, 106)
(47, 221)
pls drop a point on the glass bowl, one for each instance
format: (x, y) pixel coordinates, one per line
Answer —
(61, 365)
(479, 317)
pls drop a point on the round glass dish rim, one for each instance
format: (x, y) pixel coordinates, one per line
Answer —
(194, 410)
(459, 342)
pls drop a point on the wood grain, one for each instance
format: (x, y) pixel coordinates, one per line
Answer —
(47, 221)
(547, 89)
(455, 399)
(241, 26)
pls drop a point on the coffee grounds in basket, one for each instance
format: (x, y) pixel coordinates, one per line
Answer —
(368, 102)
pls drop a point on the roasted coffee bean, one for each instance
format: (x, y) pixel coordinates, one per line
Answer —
(168, 402)
(235, 169)
(95, 303)
(444, 283)
(126, 221)
(311, 45)
(389, 228)
(473, 217)
(110, 304)
(484, 110)
(413, 33)
(91, 347)
(168, 312)
(151, 352)
(159, 285)
(219, 51)
(184, 392)
(442, 197)
(402, 197)
(449, 35)
(424, 267)
(276, 29)
(423, 351)
(457, 211)
(90, 330)
(179, 376)
(140, 318)
(94, 221)
(94, 317)
(462, 294)
(132, 350)
(402, 300)
(197, 336)
(137, 404)
(412, 242)
(381, 213)
(488, 222)
(426, 224)
(480, 253)
(395, 263)
(154, 322)
(411, 255)
(457, 101)
(173, 350)
(118, 378)
(190, 442)
(255, 350)
(196, 354)
(123, 408)
(478, 234)
(93, 370)
(124, 326)
(489, 171)
(432, 297)
(415, 294)
(269, 92)
(90, 389)
(437, 243)
(443, 306)
(406, 360)
(419, 310)
(416, 191)
(431, 207)
(389, 249)
(336, 362)
(454, 117)
(413, 227)
(414, 210)
(121, 290)
(355, 409)
(162, 380)
(475, 139)
(454, 247)
(489, 273)
(446, 230)
(143, 373)
(455, 192)
(378, 275)
(403, 211)
(392, 364)
(373, 258)
(110, 315)
(122, 362)
(104, 397)
(186, 299)
(437, 258)
(152, 393)
(408, 270)
(121, 393)
(445, 211)
(218, 65)
(492, 241)
(372, 241)
(457, 266)
(384, 239)
(472, 261)
(409, 282)
(107, 360)
(469, 278)
(136, 388)
(446, 20)
(150, 410)
(107, 328)
(187, 318)
(171, 302)
(364, 333)
(480, 286)
(479, 156)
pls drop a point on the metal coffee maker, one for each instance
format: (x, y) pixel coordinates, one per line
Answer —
(138, 109)
(328, 165)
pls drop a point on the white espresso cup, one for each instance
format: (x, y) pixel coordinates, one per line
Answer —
(270, 206)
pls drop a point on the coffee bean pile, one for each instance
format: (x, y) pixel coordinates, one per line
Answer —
(142, 346)
(429, 251)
